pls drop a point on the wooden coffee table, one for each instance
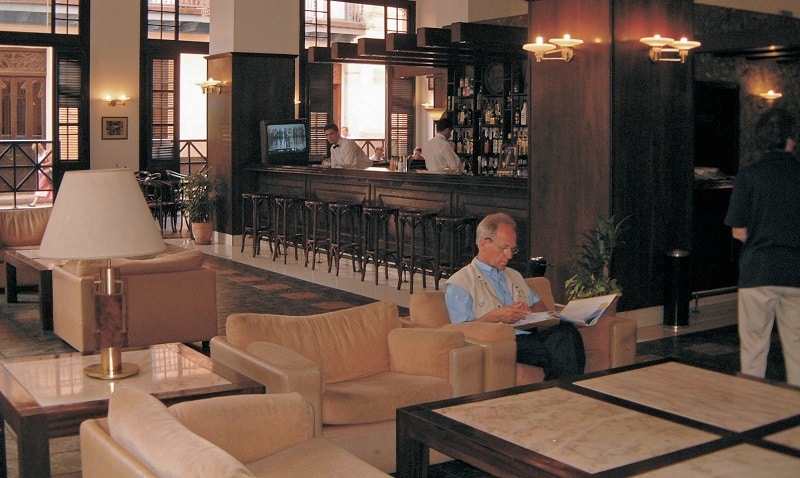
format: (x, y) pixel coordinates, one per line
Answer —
(43, 397)
(29, 259)
(662, 419)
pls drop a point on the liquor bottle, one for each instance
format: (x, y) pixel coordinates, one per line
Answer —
(523, 114)
(517, 115)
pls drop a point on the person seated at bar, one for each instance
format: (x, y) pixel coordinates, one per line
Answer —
(417, 160)
(439, 153)
(487, 290)
(379, 156)
(345, 153)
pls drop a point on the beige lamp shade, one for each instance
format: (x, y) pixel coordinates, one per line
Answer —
(100, 214)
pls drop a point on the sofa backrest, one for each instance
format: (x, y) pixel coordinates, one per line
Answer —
(427, 308)
(347, 344)
(171, 261)
(149, 431)
(23, 227)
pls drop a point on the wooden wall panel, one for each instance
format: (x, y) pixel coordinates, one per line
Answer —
(611, 134)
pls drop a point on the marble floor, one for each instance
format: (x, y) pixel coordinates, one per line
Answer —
(65, 455)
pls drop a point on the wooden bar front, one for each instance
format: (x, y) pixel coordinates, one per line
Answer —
(449, 195)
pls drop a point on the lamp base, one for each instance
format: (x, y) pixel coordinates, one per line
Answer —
(111, 366)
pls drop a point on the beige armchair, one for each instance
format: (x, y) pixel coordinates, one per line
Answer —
(244, 435)
(168, 298)
(609, 343)
(355, 366)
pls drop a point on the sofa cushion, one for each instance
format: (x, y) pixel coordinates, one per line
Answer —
(347, 344)
(184, 260)
(144, 426)
(376, 398)
(23, 227)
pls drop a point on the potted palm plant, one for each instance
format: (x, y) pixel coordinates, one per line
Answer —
(198, 201)
(590, 267)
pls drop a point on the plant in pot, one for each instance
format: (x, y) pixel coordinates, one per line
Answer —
(590, 267)
(198, 202)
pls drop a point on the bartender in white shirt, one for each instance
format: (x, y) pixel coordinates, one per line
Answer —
(439, 154)
(345, 153)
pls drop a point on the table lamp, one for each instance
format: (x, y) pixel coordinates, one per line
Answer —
(102, 214)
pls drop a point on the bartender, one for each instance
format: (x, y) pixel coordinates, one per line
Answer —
(439, 154)
(345, 153)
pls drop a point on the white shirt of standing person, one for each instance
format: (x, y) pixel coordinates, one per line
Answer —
(439, 155)
(347, 154)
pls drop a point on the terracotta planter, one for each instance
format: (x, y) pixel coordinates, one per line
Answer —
(202, 232)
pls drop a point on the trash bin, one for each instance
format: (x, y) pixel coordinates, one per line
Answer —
(537, 266)
(677, 288)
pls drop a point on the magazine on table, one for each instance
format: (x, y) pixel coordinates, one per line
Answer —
(581, 312)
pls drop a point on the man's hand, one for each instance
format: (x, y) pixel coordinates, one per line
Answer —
(508, 314)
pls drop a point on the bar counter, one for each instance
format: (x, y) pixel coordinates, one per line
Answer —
(447, 194)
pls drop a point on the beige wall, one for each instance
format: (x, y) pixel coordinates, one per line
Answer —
(114, 54)
(255, 26)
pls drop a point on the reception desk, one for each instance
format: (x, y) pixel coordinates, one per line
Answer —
(446, 194)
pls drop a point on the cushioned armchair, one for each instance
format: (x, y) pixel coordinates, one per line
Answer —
(235, 436)
(609, 343)
(168, 298)
(355, 366)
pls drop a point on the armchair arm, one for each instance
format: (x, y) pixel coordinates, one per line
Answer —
(101, 456)
(623, 341)
(278, 368)
(236, 423)
(436, 352)
(615, 337)
(499, 345)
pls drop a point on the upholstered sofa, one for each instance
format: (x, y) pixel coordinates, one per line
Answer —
(235, 436)
(355, 366)
(168, 298)
(22, 229)
(609, 343)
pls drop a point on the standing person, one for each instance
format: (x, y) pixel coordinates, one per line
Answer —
(764, 213)
(44, 179)
(487, 290)
(439, 154)
(345, 153)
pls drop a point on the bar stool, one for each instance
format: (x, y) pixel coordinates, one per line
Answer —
(455, 245)
(288, 222)
(260, 224)
(377, 241)
(316, 230)
(344, 237)
(414, 257)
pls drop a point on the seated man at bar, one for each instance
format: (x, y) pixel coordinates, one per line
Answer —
(417, 160)
(345, 153)
(488, 291)
(439, 153)
(378, 156)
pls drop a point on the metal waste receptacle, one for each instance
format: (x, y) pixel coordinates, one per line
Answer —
(677, 288)
(537, 266)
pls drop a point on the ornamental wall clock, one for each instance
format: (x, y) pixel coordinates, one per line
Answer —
(493, 78)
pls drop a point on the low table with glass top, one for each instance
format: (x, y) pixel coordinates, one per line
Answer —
(658, 420)
(43, 397)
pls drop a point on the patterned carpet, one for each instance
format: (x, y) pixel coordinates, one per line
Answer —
(243, 288)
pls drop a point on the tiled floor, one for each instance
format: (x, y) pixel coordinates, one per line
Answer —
(19, 339)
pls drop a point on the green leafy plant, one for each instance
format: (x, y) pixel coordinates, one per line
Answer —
(198, 196)
(590, 267)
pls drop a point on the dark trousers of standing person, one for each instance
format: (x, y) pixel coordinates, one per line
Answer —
(557, 350)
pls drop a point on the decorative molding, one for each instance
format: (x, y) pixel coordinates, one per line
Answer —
(23, 62)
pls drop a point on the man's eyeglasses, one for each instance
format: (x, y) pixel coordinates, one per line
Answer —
(508, 249)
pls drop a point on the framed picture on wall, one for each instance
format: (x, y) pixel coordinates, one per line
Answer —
(115, 127)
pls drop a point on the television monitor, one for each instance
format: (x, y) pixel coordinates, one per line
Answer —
(284, 142)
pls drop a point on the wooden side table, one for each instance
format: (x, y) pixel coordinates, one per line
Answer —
(28, 259)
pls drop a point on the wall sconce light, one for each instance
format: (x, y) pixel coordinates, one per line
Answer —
(770, 95)
(564, 45)
(119, 100)
(658, 45)
(210, 86)
(435, 113)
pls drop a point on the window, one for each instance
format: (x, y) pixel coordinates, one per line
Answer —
(358, 92)
(40, 16)
(174, 122)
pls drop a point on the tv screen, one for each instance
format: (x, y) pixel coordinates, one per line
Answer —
(284, 142)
